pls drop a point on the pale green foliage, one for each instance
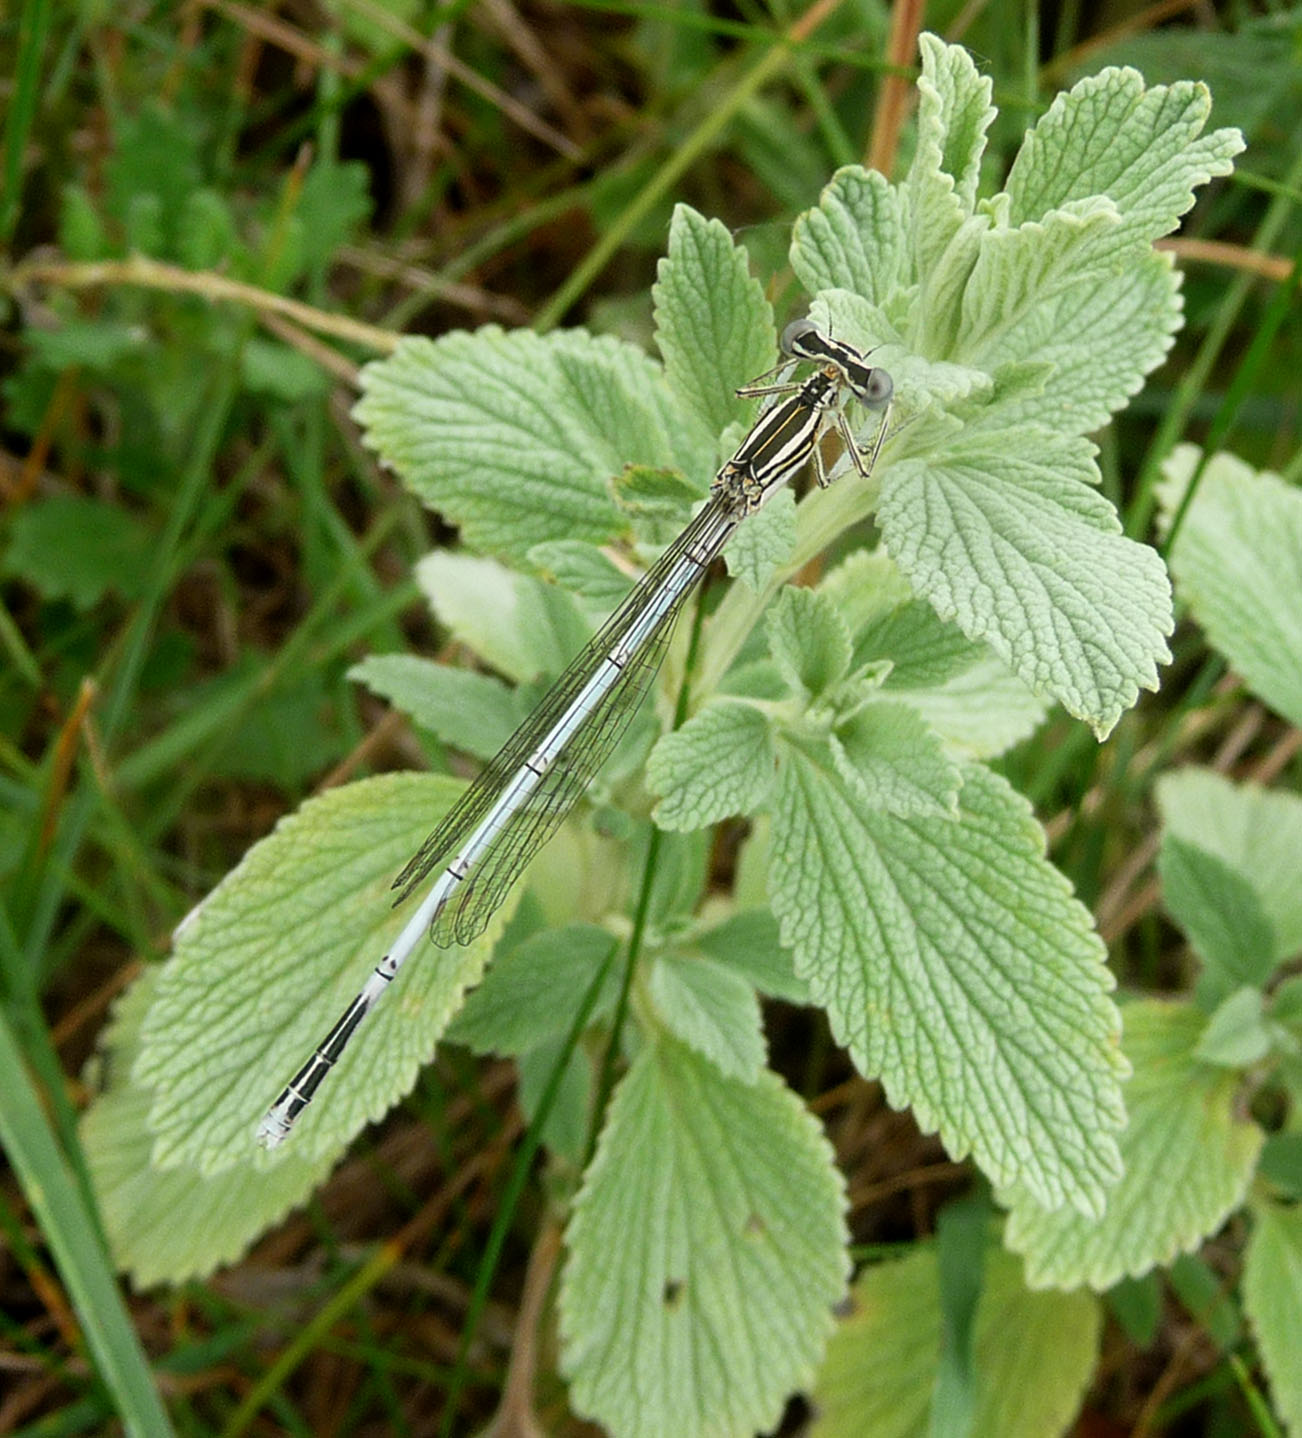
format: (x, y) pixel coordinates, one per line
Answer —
(1034, 1354)
(764, 543)
(712, 1009)
(1235, 562)
(713, 324)
(177, 1223)
(955, 964)
(1189, 1156)
(911, 896)
(1229, 862)
(706, 1250)
(1272, 1281)
(531, 991)
(582, 570)
(719, 763)
(1028, 318)
(475, 713)
(514, 436)
(516, 624)
(281, 944)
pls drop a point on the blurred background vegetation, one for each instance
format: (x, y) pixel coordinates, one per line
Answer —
(212, 213)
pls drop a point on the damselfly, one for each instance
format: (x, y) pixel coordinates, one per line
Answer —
(520, 799)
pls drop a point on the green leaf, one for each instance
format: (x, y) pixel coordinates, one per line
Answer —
(1237, 1033)
(1256, 835)
(518, 625)
(206, 232)
(169, 1225)
(270, 368)
(956, 965)
(718, 764)
(1281, 1164)
(269, 960)
(660, 494)
(1219, 910)
(566, 1130)
(713, 325)
(1202, 1290)
(529, 994)
(1188, 1154)
(582, 569)
(81, 230)
(808, 641)
(761, 546)
(853, 238)
(515, 436)
(1004, 535)
(712, 1010)
(1034, 1354)
(923, 650)
(980, 713)
(1109, 135)
(722, 1307)
(471, 712)
(965, 694)
(1272, 1280)
(71, 546)
(954, 112)
(747, 942)
(1235, 564)
(1089, 341)
(1137, 1305)
(889, 756)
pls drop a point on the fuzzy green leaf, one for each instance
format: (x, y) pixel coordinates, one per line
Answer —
(166, 1226)
(472, 712)
(582, 570)
(853, 238)
(748, 943)
(723, 1305)
(713, 325)
(1143, 148)
(1188, 1154)
(270, 959)
(979, 713)
(515, 436)
(891, 758)
(1235, 563)
(762, 545)
(1090, 342)
(1033, 1356)
(1253, 832)
(1219, 910)
(965, 694)
(1237, 1033)
(808, 641)
(954, 112)
(1272, 1280)
(530, 993)
(718, 764)
(712, 1010)
(518, 625)
(1004, 535)
(956, 965)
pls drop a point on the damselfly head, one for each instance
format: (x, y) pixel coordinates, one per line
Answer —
(802, 339)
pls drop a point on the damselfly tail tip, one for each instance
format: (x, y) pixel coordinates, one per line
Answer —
(275, 1125)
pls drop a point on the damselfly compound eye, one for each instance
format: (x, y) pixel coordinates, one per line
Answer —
(876, 390)
(795, 332)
